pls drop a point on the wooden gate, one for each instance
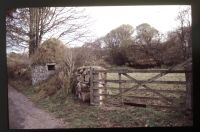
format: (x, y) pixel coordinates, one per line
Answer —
(120, 92)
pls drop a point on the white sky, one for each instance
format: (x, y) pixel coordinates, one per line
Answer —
(106, 18)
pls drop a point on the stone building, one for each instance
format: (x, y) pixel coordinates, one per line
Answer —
(46, 60)
(42, 72)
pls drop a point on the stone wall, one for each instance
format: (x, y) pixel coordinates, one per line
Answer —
(83, 87)
(40, 73)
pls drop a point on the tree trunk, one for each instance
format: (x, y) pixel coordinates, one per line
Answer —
(34, 30)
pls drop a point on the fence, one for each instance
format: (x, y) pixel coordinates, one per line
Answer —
(101, 93)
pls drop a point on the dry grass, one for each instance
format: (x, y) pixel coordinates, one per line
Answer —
(82, 115)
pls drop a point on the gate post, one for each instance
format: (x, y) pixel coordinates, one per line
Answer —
(120, 87)
(189, 87)
(96, 87)
(91, 86)
(94, 91)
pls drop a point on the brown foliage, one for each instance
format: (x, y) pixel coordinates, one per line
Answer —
(51, 86)
(18, 66)
(52, 50)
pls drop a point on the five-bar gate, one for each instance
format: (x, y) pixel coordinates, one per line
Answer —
(125, 89)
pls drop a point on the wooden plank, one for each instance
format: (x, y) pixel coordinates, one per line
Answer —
(164, 91)
(135, 104)
(165, 82)
(141, 81)
(143, 90)
(171, 91)
(142, 97)
(150, 105)
(165, 99)
(105, 77)
(113, 88)
(158, 82)
(163, 106)
(139, 71)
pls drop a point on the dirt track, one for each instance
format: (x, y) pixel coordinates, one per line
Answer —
(24, 115)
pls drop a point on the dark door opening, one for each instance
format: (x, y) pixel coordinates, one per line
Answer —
(51, 67)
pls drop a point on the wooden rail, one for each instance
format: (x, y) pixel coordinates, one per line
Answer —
(141, 81)
(143, 90)
(139, 71)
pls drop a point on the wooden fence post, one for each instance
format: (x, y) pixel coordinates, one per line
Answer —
(91, 86)
(189, 87)
(105, 87)
(120, 88)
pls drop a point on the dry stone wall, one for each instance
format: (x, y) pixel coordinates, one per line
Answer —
(40, 73)
(83, 87)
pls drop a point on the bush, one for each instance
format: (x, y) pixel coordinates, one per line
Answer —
(18, 67)
(51, 50)
(51, 86)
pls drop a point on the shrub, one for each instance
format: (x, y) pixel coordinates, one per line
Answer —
(51, 86)
(51, 50)
(18, 66)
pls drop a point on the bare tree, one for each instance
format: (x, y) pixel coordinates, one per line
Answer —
(16, 29)
(115, 40)
(148, 39)
(31, 25)
(184, 34)
(182, 48)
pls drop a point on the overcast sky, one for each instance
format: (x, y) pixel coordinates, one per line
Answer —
(106, 18)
